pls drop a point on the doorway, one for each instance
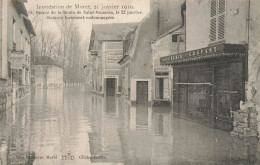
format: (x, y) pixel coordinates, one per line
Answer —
(229, 91)
(161, 88)
(142, 92)
(110, 86)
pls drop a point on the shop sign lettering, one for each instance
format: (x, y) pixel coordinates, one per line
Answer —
(194, 53)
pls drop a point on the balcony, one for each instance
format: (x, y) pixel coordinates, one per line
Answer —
(19, 59)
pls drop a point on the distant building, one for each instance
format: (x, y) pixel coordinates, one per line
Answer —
(48, 74)
(106, 49)
(15, 55)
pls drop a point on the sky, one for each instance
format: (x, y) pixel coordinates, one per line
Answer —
(85, 25)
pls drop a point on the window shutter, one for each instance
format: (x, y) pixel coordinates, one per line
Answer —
(213, 29)
(213, 9)
(221, 7)
(213, 20)
(221, 27)
(221, 19)
(217, 21)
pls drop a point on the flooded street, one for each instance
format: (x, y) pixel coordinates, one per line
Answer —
(71, 127)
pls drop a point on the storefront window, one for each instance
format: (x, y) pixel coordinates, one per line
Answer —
(196, 95)
(194, 92)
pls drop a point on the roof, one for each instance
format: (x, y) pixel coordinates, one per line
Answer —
(117, 31)
(123, 59)
(20, 7)
(29, 26)
(174, 29)
(45, 60)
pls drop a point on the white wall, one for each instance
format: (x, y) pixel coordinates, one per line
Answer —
(236, 15)
(198, 23)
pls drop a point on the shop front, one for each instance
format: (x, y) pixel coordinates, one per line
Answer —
(208, 83)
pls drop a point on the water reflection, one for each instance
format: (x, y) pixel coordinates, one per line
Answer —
(69, 126)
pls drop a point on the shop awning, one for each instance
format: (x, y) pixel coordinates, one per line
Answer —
(212, 52)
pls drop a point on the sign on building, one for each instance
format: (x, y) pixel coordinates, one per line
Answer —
(112, 58)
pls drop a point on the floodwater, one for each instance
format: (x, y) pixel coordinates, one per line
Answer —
(72, 127)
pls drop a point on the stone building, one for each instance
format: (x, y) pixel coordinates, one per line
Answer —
(247, 119)
(209, 78)
(47, 72)
(16, 34)
(106, 49)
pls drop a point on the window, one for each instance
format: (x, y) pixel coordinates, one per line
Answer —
(217, 21)
(14, 34)
(22, 46)
(178, 44)
(161, 73)
(174, 38)
(28, 49)
(25, 46)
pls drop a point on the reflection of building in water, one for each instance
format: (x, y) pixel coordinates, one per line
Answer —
(146, 134)
(19, 142)
(3, 138)
(104, 138)
(162, 136)
(140, 137)
(140, 116)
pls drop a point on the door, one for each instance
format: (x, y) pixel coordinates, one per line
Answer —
(141, 92)
(110, 86)
(229, 91)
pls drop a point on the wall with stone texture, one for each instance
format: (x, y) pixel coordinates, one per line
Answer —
(254, 58)
(251, 112)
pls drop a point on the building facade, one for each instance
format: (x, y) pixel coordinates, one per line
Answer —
(106, 49)
(15, 47)
(209, 77)
(169, 43)
(136, 64)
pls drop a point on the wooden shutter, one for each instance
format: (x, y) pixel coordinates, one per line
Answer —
(213, 29)
(166, 88)
(221, 19)
(213, 20)
(157, 88)
(213, 9)
(217, 21)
